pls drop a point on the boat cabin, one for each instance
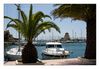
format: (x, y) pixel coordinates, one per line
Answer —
(53, 45)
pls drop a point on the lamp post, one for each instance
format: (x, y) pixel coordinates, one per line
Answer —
(18, 7)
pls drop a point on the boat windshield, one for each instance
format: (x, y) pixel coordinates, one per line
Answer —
(53, 46)
(59, 46)
(50, 46)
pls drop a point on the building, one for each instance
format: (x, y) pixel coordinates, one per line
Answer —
(65, 38)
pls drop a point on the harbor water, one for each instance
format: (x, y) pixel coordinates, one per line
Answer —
(76, 50)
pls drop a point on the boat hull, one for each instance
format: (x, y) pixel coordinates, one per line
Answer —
(56, 54)
(13, 57)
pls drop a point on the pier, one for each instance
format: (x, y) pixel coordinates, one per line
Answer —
(71, 61)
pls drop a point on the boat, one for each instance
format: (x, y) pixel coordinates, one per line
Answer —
(55, 49)
(14, 53)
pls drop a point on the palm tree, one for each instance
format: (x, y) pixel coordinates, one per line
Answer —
(30, 27)
(85, 12)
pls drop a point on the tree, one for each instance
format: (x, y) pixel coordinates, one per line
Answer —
(86, 12)
(30, 27)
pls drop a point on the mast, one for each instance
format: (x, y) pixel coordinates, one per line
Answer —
(81, 34)
(52, 35)
(75, 36)
(72, 34)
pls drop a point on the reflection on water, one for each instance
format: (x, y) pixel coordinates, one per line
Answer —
(76, 49)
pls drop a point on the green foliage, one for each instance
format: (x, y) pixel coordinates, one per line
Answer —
(75, 11)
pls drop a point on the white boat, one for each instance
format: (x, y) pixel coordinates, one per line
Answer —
(55, 49)
(14, 53)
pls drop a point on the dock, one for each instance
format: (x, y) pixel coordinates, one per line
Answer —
(71, 61)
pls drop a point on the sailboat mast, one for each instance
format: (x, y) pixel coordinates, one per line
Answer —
(72, 34)
(52, 35)
(81, 34)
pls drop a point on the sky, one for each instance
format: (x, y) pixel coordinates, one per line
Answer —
(75, 28)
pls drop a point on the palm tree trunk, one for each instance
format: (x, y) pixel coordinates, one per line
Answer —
(90, 52)
(29, 53)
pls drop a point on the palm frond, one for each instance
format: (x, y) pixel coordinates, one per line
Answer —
(77, 11)
(46, 25)
(13, 26)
